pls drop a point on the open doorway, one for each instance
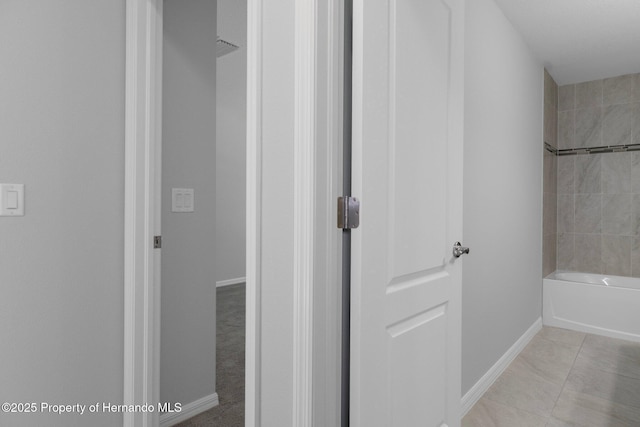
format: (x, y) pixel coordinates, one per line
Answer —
(202, 347)
(231, 171)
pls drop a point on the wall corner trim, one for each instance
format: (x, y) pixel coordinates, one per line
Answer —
(189, 410)
(475, 393)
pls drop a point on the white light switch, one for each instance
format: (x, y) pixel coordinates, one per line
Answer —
(182, 200)
(11, 199)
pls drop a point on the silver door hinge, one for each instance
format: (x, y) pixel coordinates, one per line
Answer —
(348, 212)
(157, 242)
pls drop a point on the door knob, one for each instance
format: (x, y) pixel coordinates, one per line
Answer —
(458, 250)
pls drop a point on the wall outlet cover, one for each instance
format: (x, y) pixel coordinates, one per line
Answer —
(182, 200)
(11, 199)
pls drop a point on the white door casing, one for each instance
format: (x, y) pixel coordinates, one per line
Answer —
(143, 127)
(407, 170)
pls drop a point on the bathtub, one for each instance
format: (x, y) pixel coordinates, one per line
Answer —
(592, 303)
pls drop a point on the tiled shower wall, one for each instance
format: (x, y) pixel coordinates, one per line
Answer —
(598, 195)
(549, 182)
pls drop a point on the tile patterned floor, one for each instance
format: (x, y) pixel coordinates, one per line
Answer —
(565, 378)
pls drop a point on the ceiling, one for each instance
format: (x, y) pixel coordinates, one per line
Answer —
(579, 40)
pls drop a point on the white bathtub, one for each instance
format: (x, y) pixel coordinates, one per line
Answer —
(592, 303)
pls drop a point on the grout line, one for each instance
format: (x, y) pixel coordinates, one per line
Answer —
(570, 371)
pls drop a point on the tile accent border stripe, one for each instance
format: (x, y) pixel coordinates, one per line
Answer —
(475, 393)
(592, 150)
(550, 148)
(230, 282)
(189, 410)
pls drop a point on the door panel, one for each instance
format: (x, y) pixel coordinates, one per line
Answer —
(407, 159)
(414, 369)
(417, 140)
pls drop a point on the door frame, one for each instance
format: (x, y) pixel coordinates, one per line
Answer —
(318, 96)
(143, 133)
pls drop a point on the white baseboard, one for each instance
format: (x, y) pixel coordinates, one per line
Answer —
(189, 410)
(483, 384)
(229, 282)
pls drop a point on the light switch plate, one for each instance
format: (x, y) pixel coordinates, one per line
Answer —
(182, 200)
(11, 199)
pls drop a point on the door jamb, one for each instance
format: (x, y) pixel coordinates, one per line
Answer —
(253, 216)
(143, 126)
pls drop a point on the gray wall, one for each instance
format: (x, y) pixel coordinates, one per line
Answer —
(502, 287)
(231, 142)
(188, 323)
(599, 194)
(61, 265)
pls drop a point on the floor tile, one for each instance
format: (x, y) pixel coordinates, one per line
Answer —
(602, 387)
(611, 355)
(487, 413)
(564, 336)
(524, 392)
(547, 360)
(554, 422)
(578, 409)
(605, 385)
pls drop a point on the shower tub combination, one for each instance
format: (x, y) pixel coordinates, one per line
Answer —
(593, 303)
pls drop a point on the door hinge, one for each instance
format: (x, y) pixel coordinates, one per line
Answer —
(348, 212)
(157, 242)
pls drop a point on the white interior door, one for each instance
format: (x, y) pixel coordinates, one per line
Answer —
(407, 171)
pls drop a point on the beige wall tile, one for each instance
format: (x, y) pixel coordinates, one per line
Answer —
(551, 125)
(616, 214)
(616, 255)
(588, 127)
(635, 172)
(635, 214)
(635, 130)
(550, 90)
(616, 172)
(635, 257)
(587, 173)
(566, 129)
(589, 94)
(588, 213)
(617, 123)
(550, 173)
(566, 252)
(566, 213)
(566, 97)
(549, 243)
(566, 171)
(636, 87)
(588, 253)
(618, 90)
(550, 209)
